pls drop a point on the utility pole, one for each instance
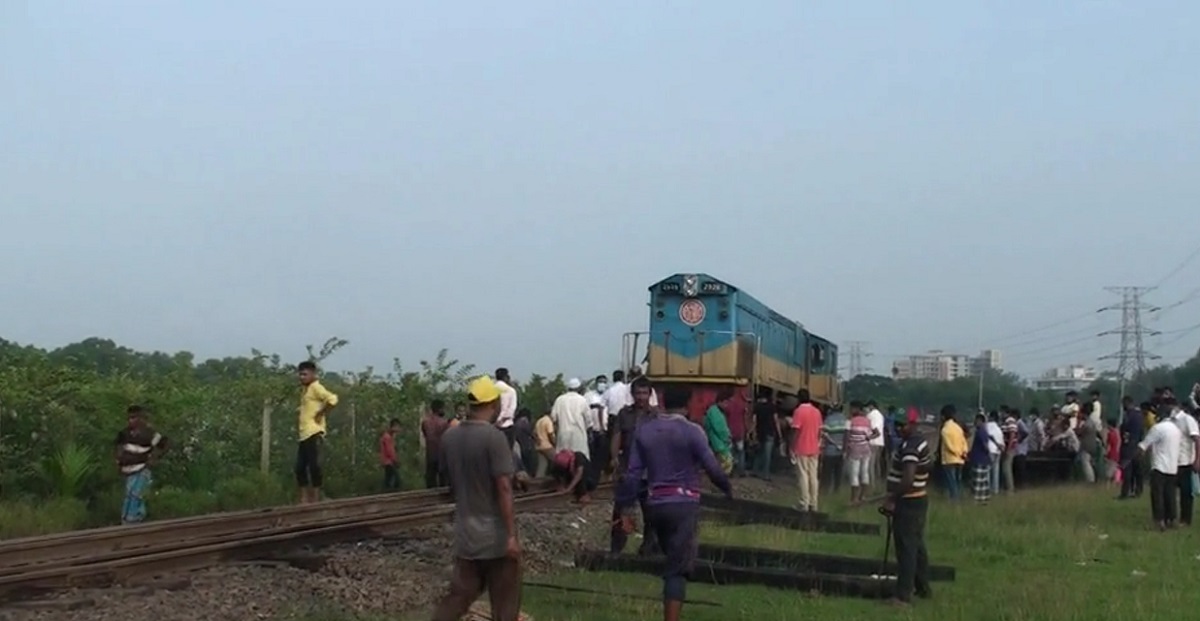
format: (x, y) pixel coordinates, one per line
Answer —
(858, 352)
(1132, 357)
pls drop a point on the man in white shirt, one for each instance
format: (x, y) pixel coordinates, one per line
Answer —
(1189, 458)
(616, 397)
(1163, 442)
(995, 448)
(597, 422)
(1097, 418)
(877, 465)
(570, 415)
(1071, 409)
(508, 406)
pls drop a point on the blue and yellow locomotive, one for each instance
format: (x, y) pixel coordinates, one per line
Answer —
(707, 333)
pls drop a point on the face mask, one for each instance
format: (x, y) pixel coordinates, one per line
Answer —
(601, 387)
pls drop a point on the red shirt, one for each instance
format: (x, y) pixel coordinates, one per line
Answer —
(1114, 445)
(736, 418)
(806, 420)
(387, 449)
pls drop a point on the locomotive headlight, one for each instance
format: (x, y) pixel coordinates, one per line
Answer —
(691, 285)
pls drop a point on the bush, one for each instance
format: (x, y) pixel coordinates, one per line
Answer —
(26, 519)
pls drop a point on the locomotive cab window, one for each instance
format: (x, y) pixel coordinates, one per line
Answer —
(818, 356)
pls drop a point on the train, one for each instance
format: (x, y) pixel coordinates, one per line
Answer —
(708, 334)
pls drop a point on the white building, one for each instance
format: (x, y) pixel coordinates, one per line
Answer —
(1062, 379)
(939, 365)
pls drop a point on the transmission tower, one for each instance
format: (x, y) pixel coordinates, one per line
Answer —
(1132, 357)
(857, 354)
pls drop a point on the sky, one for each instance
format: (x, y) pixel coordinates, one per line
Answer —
(505, 180)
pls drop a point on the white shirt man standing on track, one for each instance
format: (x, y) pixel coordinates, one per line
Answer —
(878, 465)
(570, 415)
(508, 406)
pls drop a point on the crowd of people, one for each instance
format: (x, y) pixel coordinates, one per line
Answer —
(655, 454)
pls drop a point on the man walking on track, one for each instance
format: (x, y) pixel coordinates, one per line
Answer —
(315, 404)
(479, 466)
(629, 418)
(670, 450)
(907, 505)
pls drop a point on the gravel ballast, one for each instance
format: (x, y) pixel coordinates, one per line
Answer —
(375, 577)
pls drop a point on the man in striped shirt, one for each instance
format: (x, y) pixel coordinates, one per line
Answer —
(908, 505)
(138, 447)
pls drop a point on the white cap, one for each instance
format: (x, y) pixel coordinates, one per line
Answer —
(574, 383)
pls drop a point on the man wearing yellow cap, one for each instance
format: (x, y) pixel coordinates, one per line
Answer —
(477, 462)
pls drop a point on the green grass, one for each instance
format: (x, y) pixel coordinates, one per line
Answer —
(1045, 555)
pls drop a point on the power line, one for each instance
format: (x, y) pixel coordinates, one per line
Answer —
(1132, 356)
(1179, 268)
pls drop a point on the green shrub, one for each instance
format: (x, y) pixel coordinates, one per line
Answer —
(69, 470)
(26, 519)
(252, 491)
(175, 502)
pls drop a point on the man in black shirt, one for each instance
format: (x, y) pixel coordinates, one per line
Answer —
(627, 422)
(907, 504)
(138, 446)
(766, 428)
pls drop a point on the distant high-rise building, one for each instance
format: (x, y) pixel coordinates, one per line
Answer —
(1062, 379)
(942, 366)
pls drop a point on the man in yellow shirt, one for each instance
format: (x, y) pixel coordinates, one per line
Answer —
(543, 434)
(315, 403)
(954, 451)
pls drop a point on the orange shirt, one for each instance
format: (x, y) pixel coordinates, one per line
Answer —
(806, 420)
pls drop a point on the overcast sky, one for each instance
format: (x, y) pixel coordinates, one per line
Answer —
(505, 179)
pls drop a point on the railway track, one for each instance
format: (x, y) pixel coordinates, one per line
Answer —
(104, 556)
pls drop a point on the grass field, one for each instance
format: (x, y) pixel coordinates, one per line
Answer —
(1041, 555)
(1058, 554)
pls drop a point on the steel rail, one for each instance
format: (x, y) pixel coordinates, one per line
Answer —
(195, 554)
(16, 554)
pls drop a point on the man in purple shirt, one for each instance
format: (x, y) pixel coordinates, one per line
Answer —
(670, 450)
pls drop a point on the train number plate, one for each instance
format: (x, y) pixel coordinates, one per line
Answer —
(692, 312)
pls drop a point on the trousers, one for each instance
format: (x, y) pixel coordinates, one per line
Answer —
(912, 559)
(1132, 478)
(1183, 480)
(675, 524)
(1162, 496)
(807, 479)
(1006, 471)
(952, 474)
(619, 538)
(391, 477)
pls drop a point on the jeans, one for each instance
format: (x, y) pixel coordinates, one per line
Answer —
(912, 559)
(952, 474)
(762, 461)
(831, 472)
(994, 474)
(739, 457)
